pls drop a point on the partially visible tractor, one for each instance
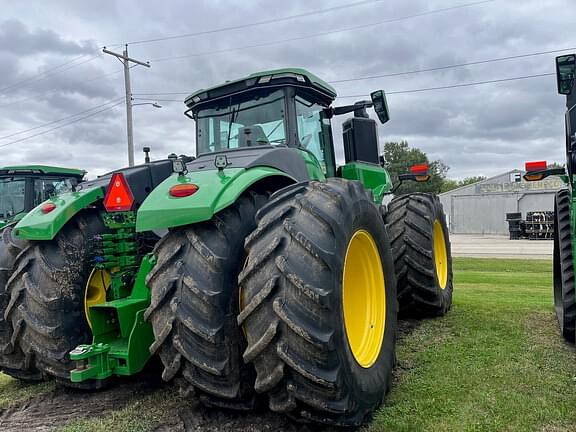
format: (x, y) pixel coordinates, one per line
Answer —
(276, 276)
(21, 189)
(24, 187)
(43, 280)
(564, 223)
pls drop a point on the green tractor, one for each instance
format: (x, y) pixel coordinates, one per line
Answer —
(43, 282)
(275, 277)
(21, 189)
(564, 223)
(24, 187)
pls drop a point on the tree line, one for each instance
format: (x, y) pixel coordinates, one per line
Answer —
(399, 157)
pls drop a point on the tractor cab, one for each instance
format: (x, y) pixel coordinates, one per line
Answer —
(24, 187)
(565, 78)
(286, 108)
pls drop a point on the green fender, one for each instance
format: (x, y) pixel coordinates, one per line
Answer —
(216, 190)
(37, 225)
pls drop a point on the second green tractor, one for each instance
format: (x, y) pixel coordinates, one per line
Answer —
(258, 271)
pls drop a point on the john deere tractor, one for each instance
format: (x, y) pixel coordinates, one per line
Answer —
(276, 275)
(564, 223)
(43, 274)
(21, 189)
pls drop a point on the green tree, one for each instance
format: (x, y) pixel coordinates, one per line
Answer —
(399, 157)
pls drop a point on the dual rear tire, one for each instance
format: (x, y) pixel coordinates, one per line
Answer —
(315, 302)
(422, 257)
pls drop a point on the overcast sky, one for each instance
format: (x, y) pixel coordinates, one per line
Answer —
(479, 130)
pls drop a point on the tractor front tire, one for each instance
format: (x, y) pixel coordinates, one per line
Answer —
(422, 256)
(318, 303)
(13, 362)
(195, 303)
(564, 288)
(46, 307)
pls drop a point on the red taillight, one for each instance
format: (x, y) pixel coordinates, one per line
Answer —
(536, 166)
(419, 169)
(48, 207)
(118, 196)
(183, 190)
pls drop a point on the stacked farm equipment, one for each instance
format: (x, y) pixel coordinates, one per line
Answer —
(563, 254)
(279, 276)
(538, 225)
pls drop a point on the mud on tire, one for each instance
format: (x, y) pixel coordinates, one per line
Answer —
(12, 359)
(564, 289)
(46, 306)
(411, 221)
(292, 304)
(195, 302)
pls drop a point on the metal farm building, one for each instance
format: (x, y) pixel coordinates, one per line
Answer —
(481, 208)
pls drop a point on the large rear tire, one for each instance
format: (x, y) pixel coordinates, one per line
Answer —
(13, 362)
(422, 256)
(195, 303)
(564, 287)
(46, 308)
(318, 303)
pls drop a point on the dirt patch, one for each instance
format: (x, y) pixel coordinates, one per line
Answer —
(145, 393)
(407, 326)
(62, 405)
(195, 417)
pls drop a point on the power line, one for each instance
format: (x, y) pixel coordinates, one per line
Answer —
(409, 72)
(456, 85)
(475, 83)
(63, 125)
(329, 32)
(48, 73)
(257, 23)
(57, 121)
(472, 63)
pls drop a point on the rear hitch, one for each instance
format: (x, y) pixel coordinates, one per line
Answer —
(92, 362)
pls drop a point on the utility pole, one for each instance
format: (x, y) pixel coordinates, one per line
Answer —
(126, 62)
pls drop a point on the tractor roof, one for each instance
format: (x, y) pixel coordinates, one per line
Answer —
(42, 170)
(270, 78)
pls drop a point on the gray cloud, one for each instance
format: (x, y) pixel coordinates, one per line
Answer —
(475, 130)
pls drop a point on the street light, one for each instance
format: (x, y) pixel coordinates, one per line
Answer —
(154, 104)
(146, 149)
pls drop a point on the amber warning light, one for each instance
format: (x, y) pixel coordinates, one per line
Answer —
(118, 196)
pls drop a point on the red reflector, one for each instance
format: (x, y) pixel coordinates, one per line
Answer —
(536, 166)
(118, 196)
(183, 190)
(419, 169)
(48, 207)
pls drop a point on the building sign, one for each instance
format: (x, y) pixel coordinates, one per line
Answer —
(550, 183)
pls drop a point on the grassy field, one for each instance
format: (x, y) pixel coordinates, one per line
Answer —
(495, 363)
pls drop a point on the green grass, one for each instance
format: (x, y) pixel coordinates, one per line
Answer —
(14, 392)
(496, 362)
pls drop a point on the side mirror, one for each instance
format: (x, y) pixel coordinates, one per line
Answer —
(380, 105)
(418, 173)
(536, 171)
(565, 71)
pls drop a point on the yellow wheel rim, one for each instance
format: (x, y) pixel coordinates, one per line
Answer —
(440, 254)
(95, 292)
(364, 298)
